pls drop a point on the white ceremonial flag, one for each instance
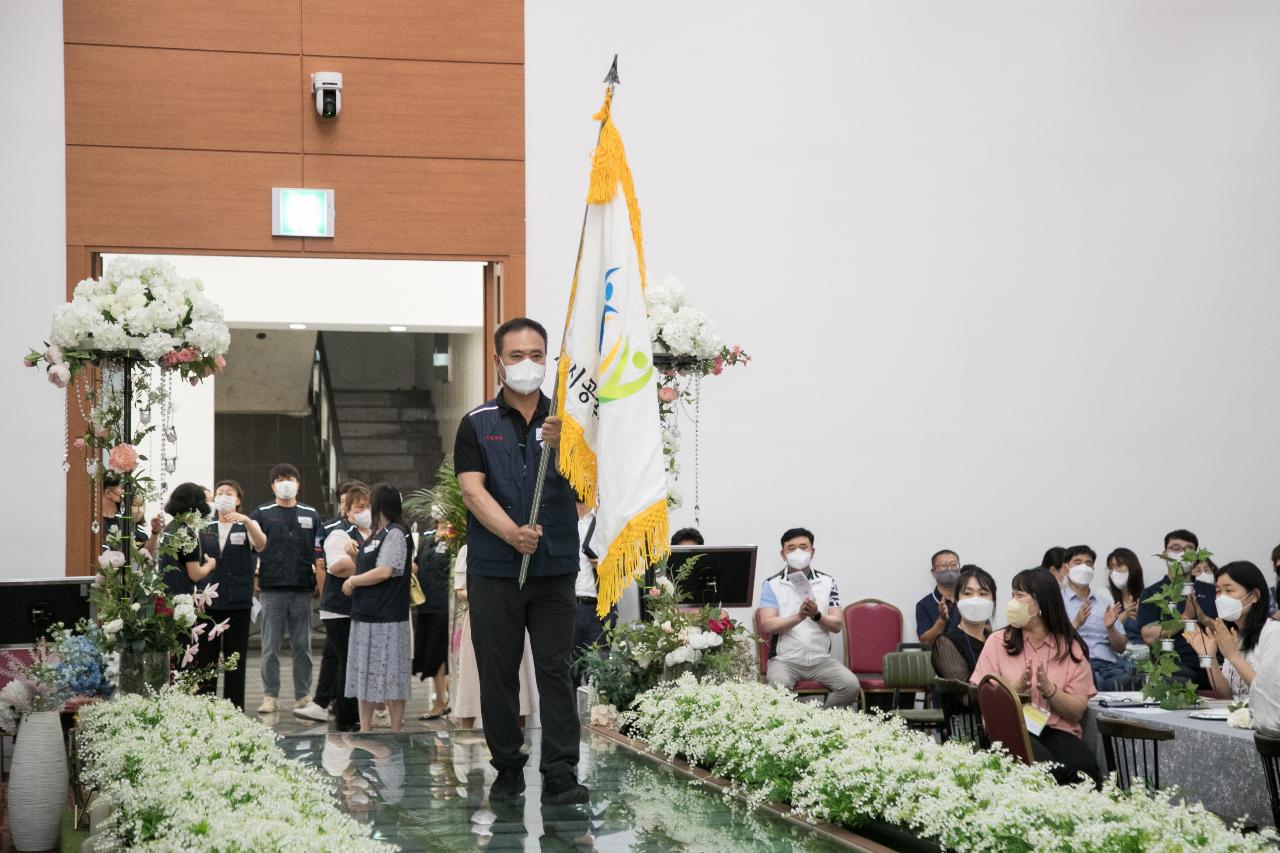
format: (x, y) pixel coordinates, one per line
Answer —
(606, 393)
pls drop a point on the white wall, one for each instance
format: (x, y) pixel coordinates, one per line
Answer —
(1008, 270)
(33, 221)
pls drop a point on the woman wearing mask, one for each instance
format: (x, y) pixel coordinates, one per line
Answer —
(227, 540)
(1041, 654)
(192, 564)
(1248, 639)
(380, 650)
(956, 652)
(431, 652)
(1124, 581)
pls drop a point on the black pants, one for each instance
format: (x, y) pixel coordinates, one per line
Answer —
(332, 683)
(234, 639)
(1066, 749)
(501, 612)
(588, 630)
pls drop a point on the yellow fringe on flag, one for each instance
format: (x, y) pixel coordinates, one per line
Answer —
(608, 169)
(575, 459)
(646, 537)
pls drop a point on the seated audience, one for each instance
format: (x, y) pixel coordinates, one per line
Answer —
(1053, 561)
(1264, 694)
(798, 628)
(1199, 607)
(1040, 654)
(934, 612)
(1250, 636)
(687, 536)
(1205, 571)
(1095, 615)
(956, 652)
(1124, 582)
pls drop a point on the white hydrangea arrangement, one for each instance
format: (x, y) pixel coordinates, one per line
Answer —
(192, 773)
(849, 768)
(141, 306)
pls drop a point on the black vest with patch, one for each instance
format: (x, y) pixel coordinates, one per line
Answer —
(387, 601)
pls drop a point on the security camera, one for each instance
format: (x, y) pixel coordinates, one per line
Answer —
(327, 87)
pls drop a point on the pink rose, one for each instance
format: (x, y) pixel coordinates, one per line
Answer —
(207, 372)
(29, 361)
(53, 355)
(123, 458)
(220, 362)
(78, 444)
(111, 560)
(60, 374)
(103, 432)
(194, 380)
(667, 394)
(169, 359)
(186, 356)
(654, 591)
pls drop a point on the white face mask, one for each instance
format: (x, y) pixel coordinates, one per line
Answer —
(1081, 575)
(286, 490)
(363, 518)
(1206, 576)
(1174, 555)
(799, 559)
(1120, 579)
(524, 377)
(1229, 608)
(224, 504)
(976, 609)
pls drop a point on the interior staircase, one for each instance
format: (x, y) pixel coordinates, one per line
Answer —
(389, 437)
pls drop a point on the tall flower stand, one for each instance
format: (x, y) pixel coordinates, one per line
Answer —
(38, 782)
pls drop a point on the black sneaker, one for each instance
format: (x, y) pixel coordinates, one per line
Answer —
(563, 789)
(509, 785)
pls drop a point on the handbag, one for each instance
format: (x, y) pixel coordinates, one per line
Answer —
(416, 595)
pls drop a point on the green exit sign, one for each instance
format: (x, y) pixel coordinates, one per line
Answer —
(301, 212)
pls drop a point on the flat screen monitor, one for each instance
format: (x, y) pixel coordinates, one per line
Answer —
(723, 576)
(29, 607)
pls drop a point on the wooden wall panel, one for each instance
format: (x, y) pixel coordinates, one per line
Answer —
(159, 198)
(419, 109)
(417, 206)
(456, 30)
(182, 99)
(259, 26)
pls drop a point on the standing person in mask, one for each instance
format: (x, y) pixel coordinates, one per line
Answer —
(1242, 634)
(227, 539)
(935, 613)
(289, 575)
(497, 452)
(1096, 618)
(1040, 654)
(1199, 607)
(798, 628)
(341, 539)
(956, 652)
(144, 536)
(431, 640)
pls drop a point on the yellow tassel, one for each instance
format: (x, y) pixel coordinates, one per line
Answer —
(646, 538)
(609, 169)
(576, 460)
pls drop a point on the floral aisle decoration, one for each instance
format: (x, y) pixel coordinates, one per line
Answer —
(852, 768)
(686, 347)
(1161, 668)
(69, 665)
(192, 773)
(674, 639)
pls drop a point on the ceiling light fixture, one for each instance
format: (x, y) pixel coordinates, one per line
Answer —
(298, 326)
(398, 328)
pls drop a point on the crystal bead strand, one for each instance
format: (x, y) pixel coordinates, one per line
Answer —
(697, 452)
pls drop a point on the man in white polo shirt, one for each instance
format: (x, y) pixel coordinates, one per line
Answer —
(799, 628)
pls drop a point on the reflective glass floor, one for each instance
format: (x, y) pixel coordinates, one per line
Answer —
(429, 791)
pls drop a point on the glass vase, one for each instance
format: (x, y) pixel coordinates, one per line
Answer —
(143, 672)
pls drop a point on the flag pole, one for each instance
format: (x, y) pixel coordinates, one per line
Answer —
(612, 80)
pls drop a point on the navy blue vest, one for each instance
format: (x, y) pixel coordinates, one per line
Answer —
(433, 573)
(333, 599)
(510, 479)
(174, 569)
(234, 572)
(387, 601)
(288, 560)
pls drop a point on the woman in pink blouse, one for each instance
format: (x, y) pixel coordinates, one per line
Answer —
(1042, 655)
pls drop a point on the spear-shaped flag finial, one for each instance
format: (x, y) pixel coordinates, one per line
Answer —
(612, 77)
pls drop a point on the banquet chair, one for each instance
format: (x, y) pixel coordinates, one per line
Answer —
(801, 688)
(1002, 718)
(872, 629)
(961, 719)
(912, 672)
(1127, 744)
(1269, 751)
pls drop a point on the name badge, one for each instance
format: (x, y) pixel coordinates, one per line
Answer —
(1036, 718)
(236, 538)
(304, 521)
(537, 434)
(371, 547)
(442, 548)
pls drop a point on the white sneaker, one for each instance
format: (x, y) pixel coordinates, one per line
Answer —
(312, 711)
(303, 702)
(382, 719)
(268, 705)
